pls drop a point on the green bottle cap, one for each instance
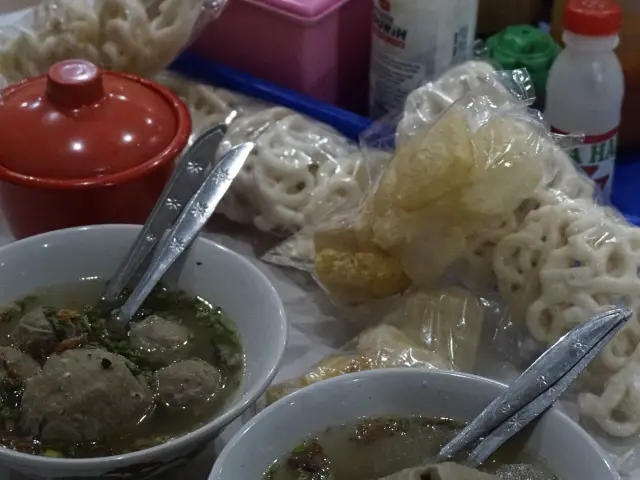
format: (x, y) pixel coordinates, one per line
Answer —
(525, 46)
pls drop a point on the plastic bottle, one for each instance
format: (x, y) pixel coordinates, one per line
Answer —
(585, 87)
(413, 41)
(629, 54)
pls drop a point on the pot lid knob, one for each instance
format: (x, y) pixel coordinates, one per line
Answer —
(74, 84)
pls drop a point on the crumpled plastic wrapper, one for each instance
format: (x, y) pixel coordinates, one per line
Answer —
(478, 162)
(425, 104)
(423, 107)
(437, 329)
(134, 36)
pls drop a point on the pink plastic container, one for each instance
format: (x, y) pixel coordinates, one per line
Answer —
(317, 47)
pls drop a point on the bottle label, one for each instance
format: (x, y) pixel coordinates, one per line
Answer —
(412, 42)
(596, 156)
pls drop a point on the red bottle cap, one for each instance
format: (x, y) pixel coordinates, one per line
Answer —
(593, 18)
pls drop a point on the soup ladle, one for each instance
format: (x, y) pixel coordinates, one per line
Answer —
(536, 389)
(193, 217)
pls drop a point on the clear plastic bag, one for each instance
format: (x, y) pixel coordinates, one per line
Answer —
(477, 163)
(422, 108)
(135, 36)
(421, 329)
(426, 103)
(298, 170)
(446, 198)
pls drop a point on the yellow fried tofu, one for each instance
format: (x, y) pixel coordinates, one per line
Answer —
(355, 277)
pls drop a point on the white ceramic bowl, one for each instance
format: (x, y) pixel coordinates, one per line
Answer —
(556, 440)
(208, 270)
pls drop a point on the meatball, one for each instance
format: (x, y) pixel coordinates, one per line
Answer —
(160, 342)
(40, 330)
(35, 334)
(85, 394)
(188, 384)
(16, 367)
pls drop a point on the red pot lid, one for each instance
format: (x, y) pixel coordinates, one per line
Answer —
(78, 122)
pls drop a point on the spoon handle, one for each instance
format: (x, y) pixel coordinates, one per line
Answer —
(524, 417)
(548, 369)
(186, 228)
(185, 180)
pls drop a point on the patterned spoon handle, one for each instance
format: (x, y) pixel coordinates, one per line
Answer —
(191, 170)
(194, 216)
(548, 369)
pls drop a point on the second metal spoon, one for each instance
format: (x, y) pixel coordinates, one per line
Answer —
(194, 216)
(190, 171)
(537, 388)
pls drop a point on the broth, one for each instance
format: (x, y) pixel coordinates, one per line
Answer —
(371, 449)
(170, 395)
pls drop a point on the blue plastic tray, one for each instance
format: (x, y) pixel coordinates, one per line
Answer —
(193, 65)
(626, 190)
(626, 187)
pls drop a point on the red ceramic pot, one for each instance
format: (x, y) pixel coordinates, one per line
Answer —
(81, 146)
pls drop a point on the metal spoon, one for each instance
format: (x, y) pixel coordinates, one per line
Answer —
(537, 388)
(191, 170)
(194, 216)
